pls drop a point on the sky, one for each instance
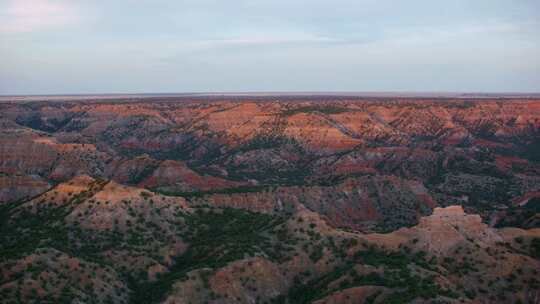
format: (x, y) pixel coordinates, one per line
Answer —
(173, 46)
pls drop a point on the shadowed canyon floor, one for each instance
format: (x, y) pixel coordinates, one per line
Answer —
(270, 200)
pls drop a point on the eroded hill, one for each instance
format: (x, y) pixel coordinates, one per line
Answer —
(97, 241)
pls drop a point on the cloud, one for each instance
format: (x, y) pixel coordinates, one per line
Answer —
(460, 33)
(261, 40)
(22, 16)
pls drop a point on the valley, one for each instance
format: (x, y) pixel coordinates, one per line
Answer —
(270, 199)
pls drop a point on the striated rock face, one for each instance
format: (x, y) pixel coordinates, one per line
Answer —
(366, 203)
(482, 154)
(175, 176)
(319, 134)
(14, 188)
(26, 152)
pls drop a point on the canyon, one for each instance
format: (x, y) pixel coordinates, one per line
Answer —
(270, 199)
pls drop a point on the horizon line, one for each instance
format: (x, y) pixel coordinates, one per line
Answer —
(259, 94)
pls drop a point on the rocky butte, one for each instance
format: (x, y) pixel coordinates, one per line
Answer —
(270, 199)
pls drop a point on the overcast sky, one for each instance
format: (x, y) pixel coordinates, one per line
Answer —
(135, 46)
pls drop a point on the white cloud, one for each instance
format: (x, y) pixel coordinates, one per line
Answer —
(262, 40)
(424, 36)
(36, 15)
